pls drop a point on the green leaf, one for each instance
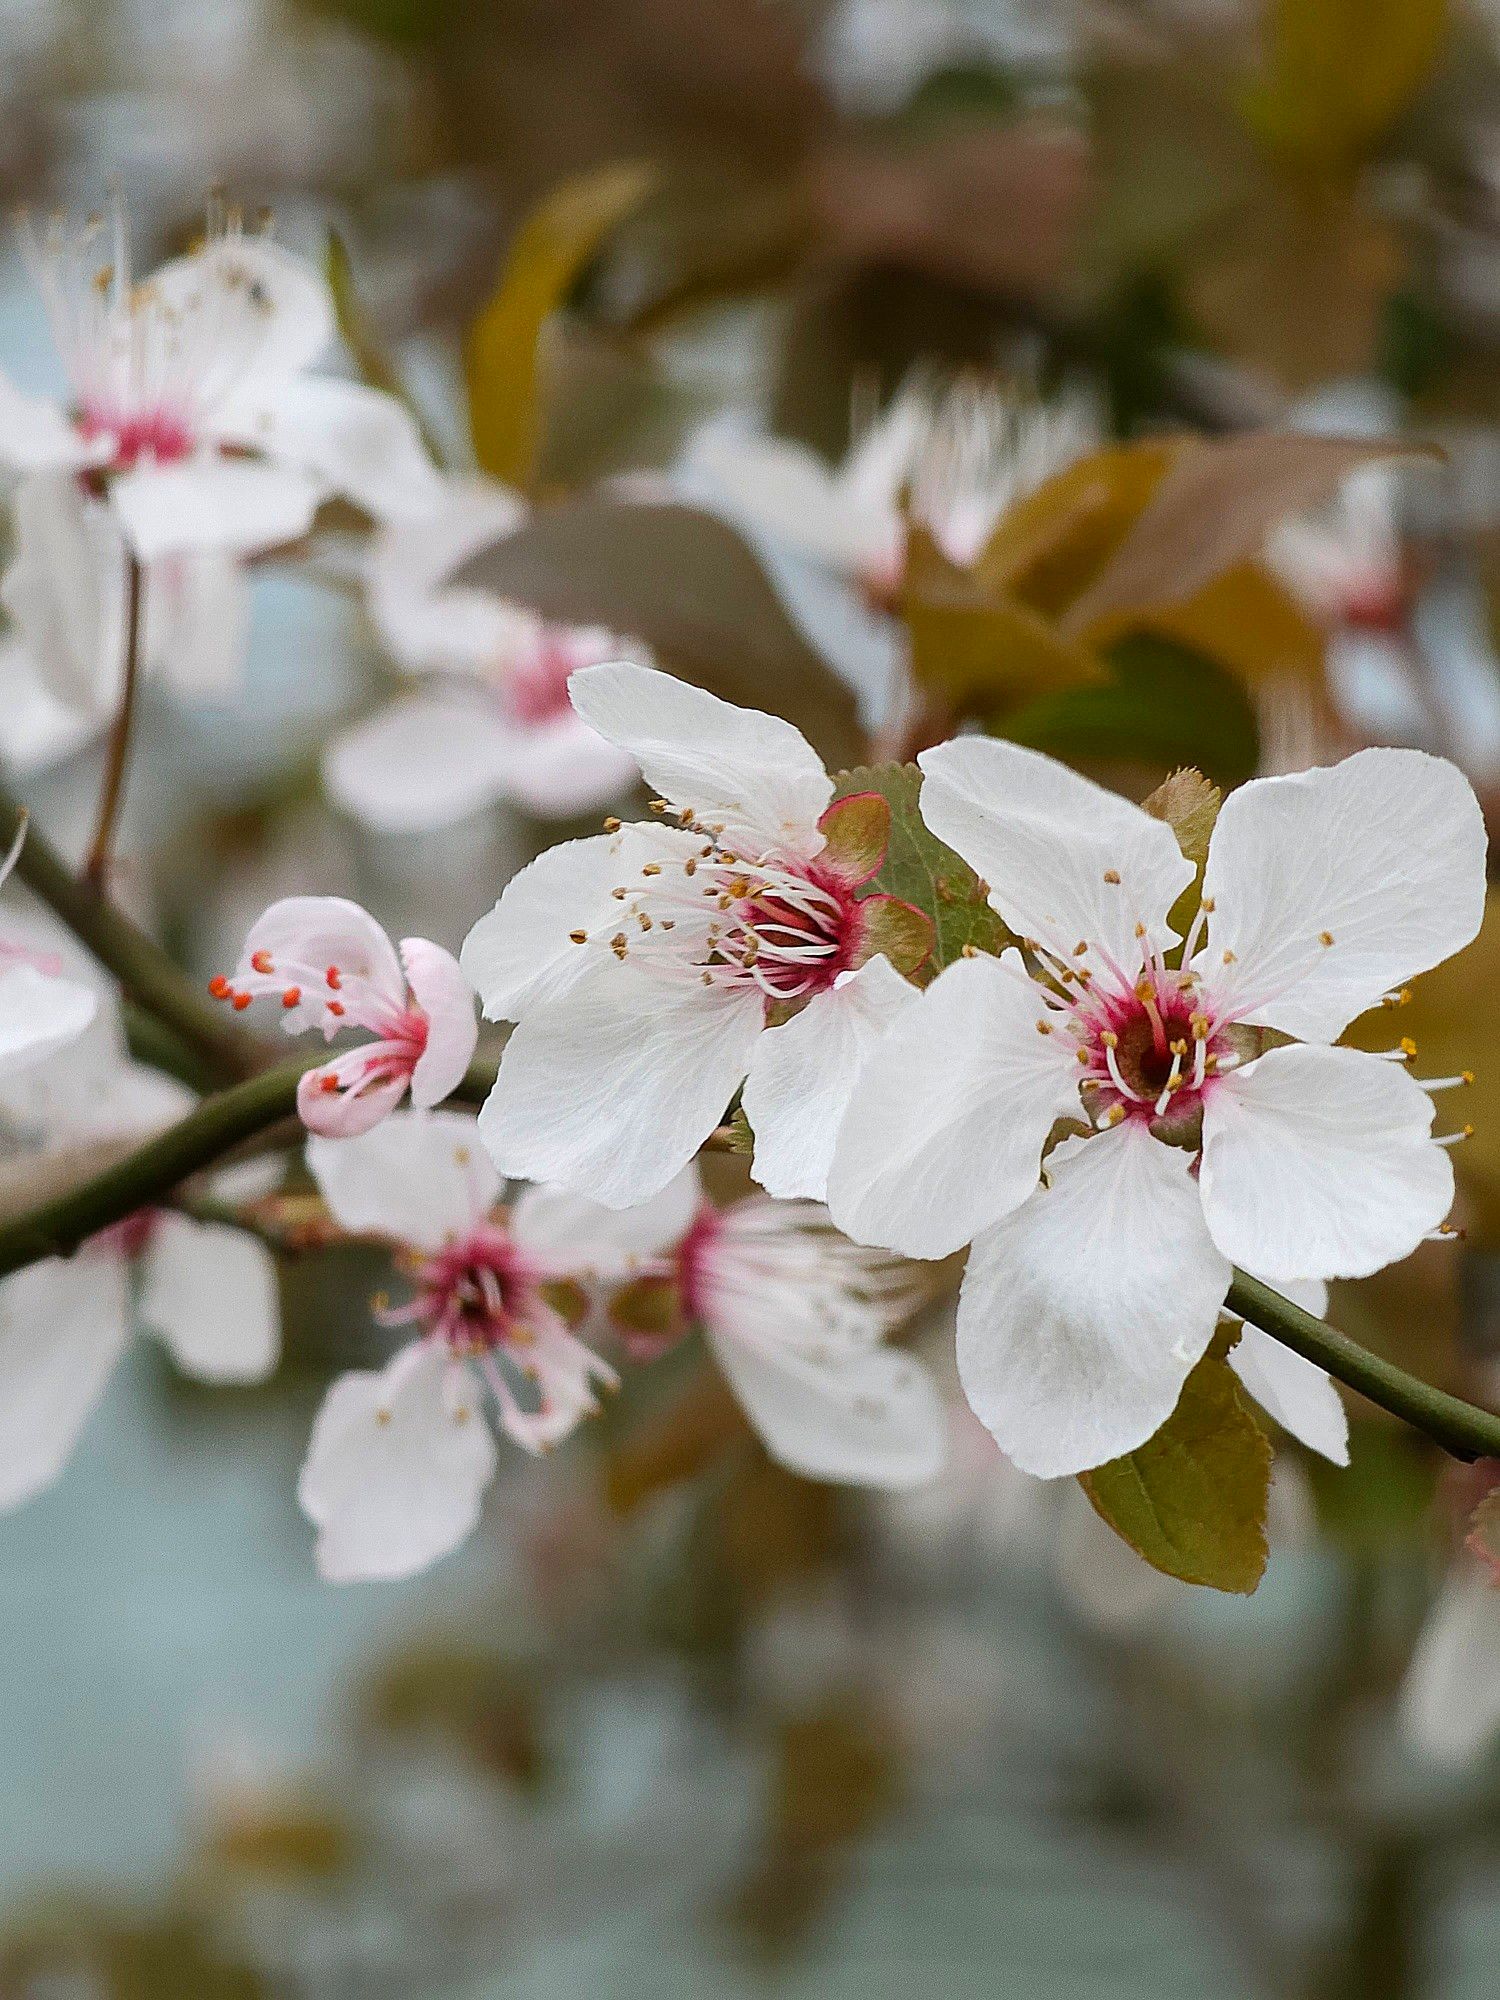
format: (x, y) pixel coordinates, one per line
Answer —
(920, 870)
(554, 246)
(1192, 1499)
(1164, 703)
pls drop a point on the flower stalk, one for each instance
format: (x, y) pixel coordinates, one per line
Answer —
(117, 754)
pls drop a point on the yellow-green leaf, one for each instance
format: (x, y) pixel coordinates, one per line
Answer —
(555, 244)
(1211, 512)
(1192, 1500)
(1339, 73)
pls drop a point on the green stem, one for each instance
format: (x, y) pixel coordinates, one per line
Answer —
(146, 975)
(1460, 1428)
(147, 1176)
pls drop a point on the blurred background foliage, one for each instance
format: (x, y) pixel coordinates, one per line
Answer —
(678, 1722)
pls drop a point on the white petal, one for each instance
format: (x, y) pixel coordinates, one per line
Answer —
(426, 623)
(562, 768)
(426, 761)
(39, 1015)
(1082, 1313)
(803, 1074)
(209, 1293)
(868, 1417)
(358, 441)
(65, 590)
(318, 931)
(1450, 1705)
(611, 1089)
(756, 774)
(446, 998)
(1297, 1393)
(36, 729)
(35, 434)
(1383, 853)
(1050, 844)
(197, 623)
(63, 1326)
(1321, 1161)
(945, 1128)
(214, 503)
(418, 1177)
(396, 1466)
(781, 489)
(523, 952)
(269, 311)
(570, 1232)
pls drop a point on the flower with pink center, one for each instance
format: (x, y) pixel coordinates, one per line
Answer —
(328, 964)
(191, 433)
(655, 968)
(1351, 567)
(1212, 1121)
(399, 1458)
(795, 1315)
(491, 720)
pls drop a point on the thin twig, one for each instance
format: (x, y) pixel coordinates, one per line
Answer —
(117, 755)
(1460, 1428)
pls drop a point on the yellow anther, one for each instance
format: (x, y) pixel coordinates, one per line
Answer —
(1229, 958)
(1115, 1115)
(1325, 937)
(1110, 1039)
(579, 937)
(652, 868)
(1044, 1027)
(1112, 875)
(612, 825)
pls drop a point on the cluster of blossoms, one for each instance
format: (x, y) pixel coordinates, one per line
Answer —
(503, 1302)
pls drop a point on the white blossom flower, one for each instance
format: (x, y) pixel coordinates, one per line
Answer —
(329, 965)
(206, 1290)
(1349, 565)
(492, 720)
(400, 1457)
(191, 433)
(795, 1315)
(954, 462)
(652, 969)
(1090, 1296)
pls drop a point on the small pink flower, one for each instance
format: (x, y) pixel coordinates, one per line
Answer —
(399, 1458)
(331, 966)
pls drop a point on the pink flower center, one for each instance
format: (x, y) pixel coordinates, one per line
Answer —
(535, 687)
(478, 1296)
(1380, 602)
(1152, 1054)
(159, 435)
(780, 925)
